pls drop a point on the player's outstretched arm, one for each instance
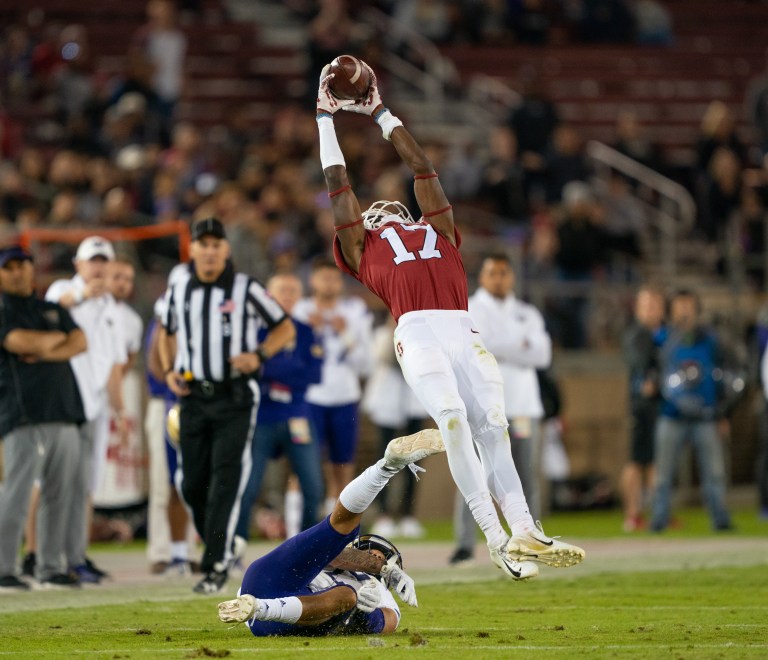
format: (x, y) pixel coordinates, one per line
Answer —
(346, 209)
(429, 193)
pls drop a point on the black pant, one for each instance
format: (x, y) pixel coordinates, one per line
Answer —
(214, 432)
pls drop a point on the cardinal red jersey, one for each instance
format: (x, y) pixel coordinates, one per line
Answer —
(410, 267)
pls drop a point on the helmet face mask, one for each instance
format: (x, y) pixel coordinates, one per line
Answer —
(382, 212)
(368, 542)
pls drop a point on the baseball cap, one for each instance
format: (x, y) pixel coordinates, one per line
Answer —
(208, 227)
(16, 252)
(95, 246)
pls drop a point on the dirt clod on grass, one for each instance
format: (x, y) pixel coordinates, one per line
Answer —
(205, 652)
(418, 640)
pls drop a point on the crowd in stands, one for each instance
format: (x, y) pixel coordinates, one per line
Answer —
(79, 148)
(96, 150)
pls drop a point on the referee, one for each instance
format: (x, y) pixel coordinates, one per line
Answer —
(210, 353)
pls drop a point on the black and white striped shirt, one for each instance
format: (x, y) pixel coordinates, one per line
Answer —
(214, 322)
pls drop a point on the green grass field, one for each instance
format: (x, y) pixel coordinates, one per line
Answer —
(617, 604)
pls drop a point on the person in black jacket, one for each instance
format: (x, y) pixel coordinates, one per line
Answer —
(40, 408)
(640, 346)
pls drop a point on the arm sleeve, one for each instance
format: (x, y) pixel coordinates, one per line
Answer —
(135, 334)
(263, 305)
(299, 368)
(361, 352)
(57, 290)
(5, 326)
(66, 322)
(338, 257)
(523, 344)
(167, 311)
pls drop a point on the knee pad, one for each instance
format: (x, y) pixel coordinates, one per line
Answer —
(451, 417)
(494, 426)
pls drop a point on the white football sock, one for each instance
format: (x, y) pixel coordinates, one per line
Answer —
(179, 550)
(361, 491)
(329, 503)
(468, 475)
(501, 476)
(294, 505)
(285, 610)
(484, 513)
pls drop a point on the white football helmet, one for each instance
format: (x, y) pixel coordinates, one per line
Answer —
(383, 211)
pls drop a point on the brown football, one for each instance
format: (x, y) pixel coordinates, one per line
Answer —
(351, 78)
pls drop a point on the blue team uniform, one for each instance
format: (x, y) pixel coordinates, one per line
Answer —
(290, 569)
(283, 424)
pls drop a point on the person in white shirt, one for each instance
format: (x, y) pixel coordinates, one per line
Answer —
(99, 373)
(344, 324)
(121, 275)
(514, 332)
(391, 405)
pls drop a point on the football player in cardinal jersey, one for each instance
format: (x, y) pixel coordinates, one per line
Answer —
(416, 269)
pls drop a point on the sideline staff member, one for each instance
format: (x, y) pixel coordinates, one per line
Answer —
(40, 408)
(210, 352)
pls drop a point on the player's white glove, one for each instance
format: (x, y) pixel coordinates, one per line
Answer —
(400, 582)
(373, 106)
(371, 102)
(368, 596)
(326, 101)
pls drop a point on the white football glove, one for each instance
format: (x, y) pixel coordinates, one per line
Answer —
(400, 582)
(370, 102)
(326, 101)
(368, 596)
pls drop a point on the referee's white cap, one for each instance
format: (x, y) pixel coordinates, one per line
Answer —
(95, 246)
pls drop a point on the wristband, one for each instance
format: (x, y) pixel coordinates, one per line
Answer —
(387, 122)
(338, 192)
(261, 355)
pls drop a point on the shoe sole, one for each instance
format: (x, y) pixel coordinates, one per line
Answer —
(514, 576)
(231, 611)
(412, 448)
(560, 555)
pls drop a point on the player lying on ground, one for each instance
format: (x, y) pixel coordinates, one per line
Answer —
(327, 580)
(416, 269)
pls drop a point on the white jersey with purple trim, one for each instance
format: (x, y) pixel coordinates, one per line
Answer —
(327, 579)
(348, 355)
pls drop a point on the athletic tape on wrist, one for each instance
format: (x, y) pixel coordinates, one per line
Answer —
(330, 151)
(388, 122)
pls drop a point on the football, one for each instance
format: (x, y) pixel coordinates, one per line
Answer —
(351, 78)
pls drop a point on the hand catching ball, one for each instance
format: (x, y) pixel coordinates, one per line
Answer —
(351, 79)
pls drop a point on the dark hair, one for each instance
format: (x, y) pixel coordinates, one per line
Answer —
(318, 263)
(498, 256)
(686, 293)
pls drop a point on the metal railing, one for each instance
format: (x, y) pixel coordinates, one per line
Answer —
(671, 207)
(438, 72)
